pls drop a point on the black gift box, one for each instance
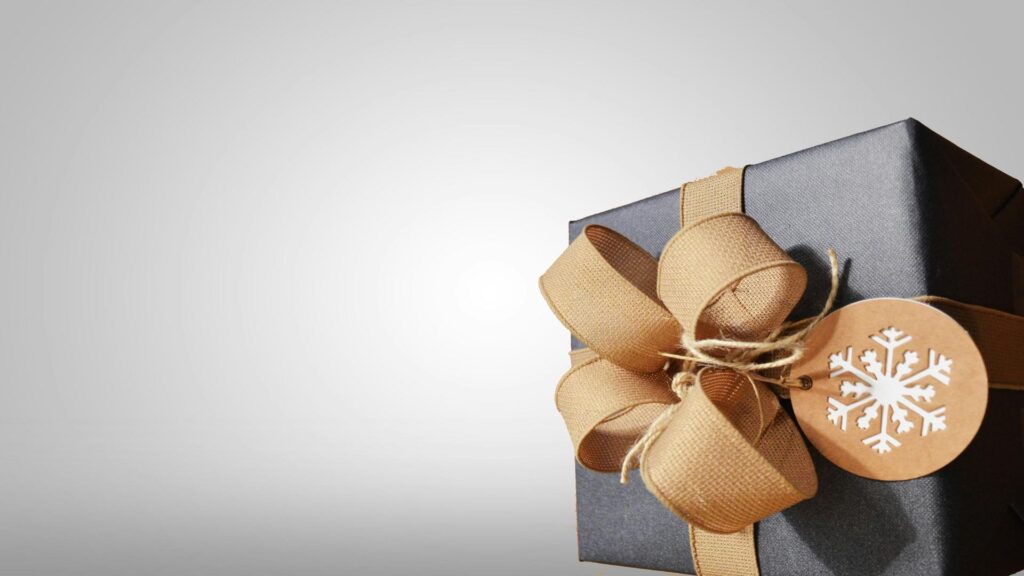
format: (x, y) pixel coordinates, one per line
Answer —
(909, 214)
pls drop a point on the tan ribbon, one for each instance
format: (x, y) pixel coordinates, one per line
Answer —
(716, 554)
(998, 335)
(605, 289)
(729, 455)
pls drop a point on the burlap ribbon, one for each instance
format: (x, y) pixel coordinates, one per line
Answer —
(729, 455)
(725, 454)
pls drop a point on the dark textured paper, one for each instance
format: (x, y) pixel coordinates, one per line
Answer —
(909, 214)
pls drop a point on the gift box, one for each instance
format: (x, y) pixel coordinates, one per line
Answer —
(910, 214)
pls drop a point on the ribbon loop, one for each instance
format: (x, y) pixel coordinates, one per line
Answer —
(604, 290)
(723, 419)
(723, 277)
(606, 408)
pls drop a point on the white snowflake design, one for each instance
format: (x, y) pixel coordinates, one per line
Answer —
(891, 390)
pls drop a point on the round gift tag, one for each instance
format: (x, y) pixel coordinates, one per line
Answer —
(899, 388)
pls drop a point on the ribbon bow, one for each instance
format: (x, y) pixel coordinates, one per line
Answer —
(718, 451)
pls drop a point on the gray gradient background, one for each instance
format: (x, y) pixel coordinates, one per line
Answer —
(268, 270)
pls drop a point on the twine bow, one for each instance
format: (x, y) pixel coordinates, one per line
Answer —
(714, 445)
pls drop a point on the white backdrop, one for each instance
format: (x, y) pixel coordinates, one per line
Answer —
(269, 297)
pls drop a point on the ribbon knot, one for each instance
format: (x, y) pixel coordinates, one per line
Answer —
(714, 445)
(742, 358)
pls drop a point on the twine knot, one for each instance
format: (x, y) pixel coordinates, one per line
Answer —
(682, 379)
